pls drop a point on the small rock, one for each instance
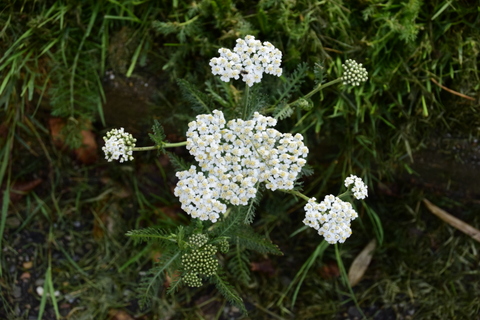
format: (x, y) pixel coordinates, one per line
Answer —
(28, 265)
(12, 222)
(17, 292)
(25, 276)
(40, 291)
(354, 312)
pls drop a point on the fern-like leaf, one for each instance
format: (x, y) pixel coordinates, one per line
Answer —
(174, 283)
(228, 291)
(218, 98)
(256, 102)
(152, 281)
(239, 265)
(293, 83)
(151, 234)
(200, 102)
(158, 135)
(283, 111)
(306, 171)
(252, 206)
(318, 70)
(251, 240)
(178, 163)
(230, 222)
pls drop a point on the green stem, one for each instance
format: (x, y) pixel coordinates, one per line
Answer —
(245, 107)
(320, 87)
(297, 193)
(308, 95)
(344, 195)
(163, 145)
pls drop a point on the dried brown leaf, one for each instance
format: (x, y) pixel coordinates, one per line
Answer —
(56, 125)
(118, 315)
(264, 267)
(87, 153)
(329, 270)
(361, 262)
(19, 189)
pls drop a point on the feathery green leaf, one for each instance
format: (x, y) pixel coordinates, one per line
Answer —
(151, 234)
(199, 101)
(239, 265)
(158, 135)
(228, 291)
(253, 241)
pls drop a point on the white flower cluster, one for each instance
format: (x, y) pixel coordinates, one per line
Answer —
(234, 158)
(331, 218)
(199, 195)
(250, 59)
(118, 145)
(360, 189)
(354, 73)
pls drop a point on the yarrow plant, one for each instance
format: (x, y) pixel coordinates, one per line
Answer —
(237, 158)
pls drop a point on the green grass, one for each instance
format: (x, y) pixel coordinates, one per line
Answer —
(53, 59)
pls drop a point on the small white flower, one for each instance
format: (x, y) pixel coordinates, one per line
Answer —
(118, 145)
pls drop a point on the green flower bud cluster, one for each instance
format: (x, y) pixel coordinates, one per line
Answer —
(354, 73)
(200, 261)
(198, 240)
(192, 280)
(224, 245)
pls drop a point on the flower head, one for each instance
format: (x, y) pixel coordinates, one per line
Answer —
(359, 189)
(249, 59)
(354, 73)
(199, 195)
(331, 218)
(118, 145)
(233, 158)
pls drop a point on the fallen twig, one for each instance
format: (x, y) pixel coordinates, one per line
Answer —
(451, 220)
(452, 91)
